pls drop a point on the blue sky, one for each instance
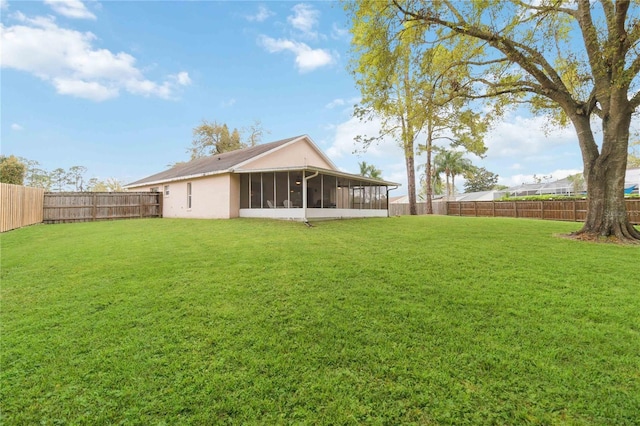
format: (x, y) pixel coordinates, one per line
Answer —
(117, 87)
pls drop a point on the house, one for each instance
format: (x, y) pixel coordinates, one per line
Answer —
(566, 186)
(491, 195)
(286, 179)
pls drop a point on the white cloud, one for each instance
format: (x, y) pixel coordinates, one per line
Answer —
(71, 9)
(4, 5)
(304, 19)
(16, 127)
(334, 103)
(182, 78)
(517, 136)
(338, 33)
(307, 59)
(262, 15)
(69, 60)
(344, 142)
(84, 89)
(347, 104)
(228, 103)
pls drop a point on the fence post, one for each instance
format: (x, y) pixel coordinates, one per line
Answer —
(515, 206)
(475, 208)
(575, 214)
(140, 209)
(493, 208)
(94, 204)
(542, 209)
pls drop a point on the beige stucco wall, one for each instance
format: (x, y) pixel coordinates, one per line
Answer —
(234, 195)
(298, 154)
(210, 197)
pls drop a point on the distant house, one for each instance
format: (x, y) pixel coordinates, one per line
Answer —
(566, 187)
(491, 195)
(286, 179)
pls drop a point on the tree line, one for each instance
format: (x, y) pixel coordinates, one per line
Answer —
(22, 171)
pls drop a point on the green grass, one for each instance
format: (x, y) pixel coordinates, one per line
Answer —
(411, 320)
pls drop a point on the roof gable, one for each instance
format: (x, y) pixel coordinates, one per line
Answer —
(298, 152)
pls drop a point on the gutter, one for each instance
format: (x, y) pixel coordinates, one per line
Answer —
(390, 189)
(304, 194)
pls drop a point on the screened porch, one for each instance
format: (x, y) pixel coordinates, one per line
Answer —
(308, 193)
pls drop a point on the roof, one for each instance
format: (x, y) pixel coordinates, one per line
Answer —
(480, 195)
(214, 164)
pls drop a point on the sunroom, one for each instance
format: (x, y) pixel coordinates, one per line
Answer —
(311, 193)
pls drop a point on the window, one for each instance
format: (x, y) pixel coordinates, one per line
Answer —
(189, 195)
(166, 190)
(155, 189)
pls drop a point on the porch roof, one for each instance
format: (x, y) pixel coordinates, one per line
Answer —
(320, 170)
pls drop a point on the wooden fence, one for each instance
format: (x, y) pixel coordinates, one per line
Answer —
(402, 209)
(570, 210)
(19, 206)
(63, 207)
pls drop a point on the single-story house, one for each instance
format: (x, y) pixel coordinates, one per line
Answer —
(286, 179)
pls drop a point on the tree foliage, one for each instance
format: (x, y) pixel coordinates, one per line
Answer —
(451, 164)
(211, 138)
(480, 179)
(576, 61)
(60, 179)
(577, 183)
(12, 170)
(76, 177)
(106, 185)
(411, 87)
(369, 170)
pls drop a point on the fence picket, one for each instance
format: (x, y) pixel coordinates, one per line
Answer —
(19, 206)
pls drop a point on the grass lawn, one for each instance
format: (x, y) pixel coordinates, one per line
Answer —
(411, 320)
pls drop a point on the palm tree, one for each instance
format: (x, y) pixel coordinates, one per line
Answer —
(369, 170)
(451, 163)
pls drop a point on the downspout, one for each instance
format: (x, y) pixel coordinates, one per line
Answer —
(392, 189)
(304, 194)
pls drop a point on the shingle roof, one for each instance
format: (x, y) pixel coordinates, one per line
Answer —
(211, 164)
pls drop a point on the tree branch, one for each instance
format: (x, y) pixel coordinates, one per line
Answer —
(525, 56)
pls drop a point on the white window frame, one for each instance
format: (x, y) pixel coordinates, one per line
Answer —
(189, 189)
(166, 190)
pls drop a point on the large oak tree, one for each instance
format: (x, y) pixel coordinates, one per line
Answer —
(578, 61)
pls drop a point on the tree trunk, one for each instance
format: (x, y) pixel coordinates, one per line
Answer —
(446, 175)
(411, 183)
(453, 185)
(604, 174)
(429, 199)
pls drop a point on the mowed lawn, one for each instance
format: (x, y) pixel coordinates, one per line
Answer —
(411, 320)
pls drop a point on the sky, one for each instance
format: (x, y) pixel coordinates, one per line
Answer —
(117, 87)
